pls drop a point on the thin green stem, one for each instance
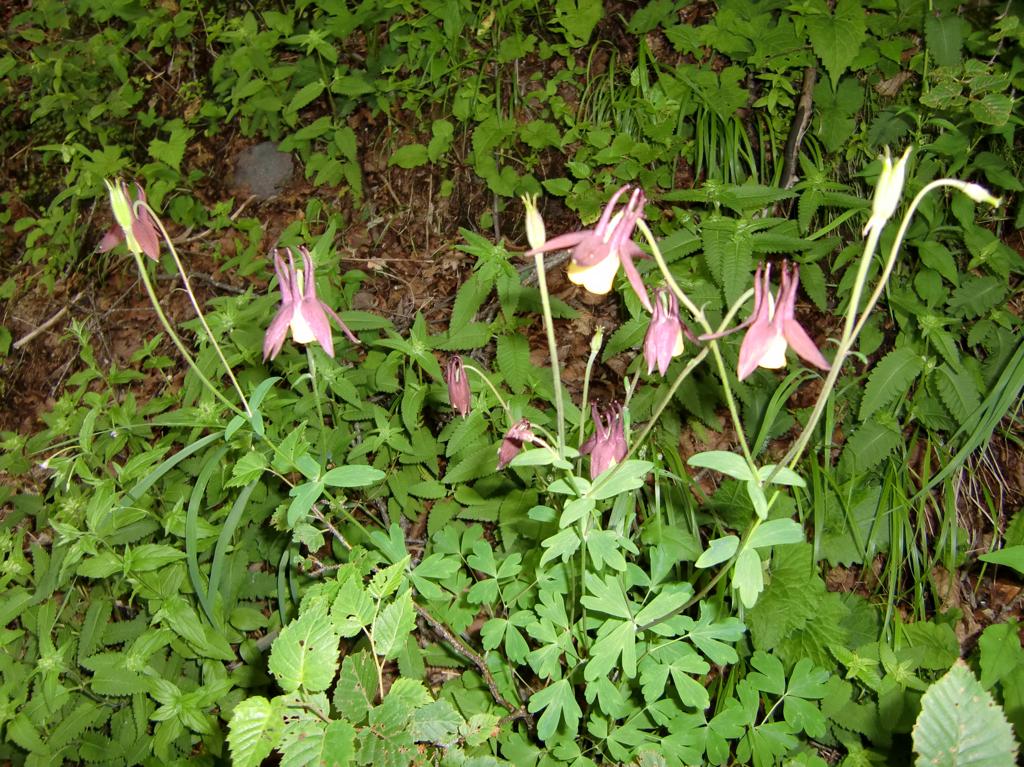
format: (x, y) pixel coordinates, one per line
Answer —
(486, 380)
(195, 305)
(176, 339)
(319, 406)
(712, 344)
(549, 326)
(853, 327)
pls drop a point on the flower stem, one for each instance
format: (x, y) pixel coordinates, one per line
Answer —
(195, 305)
(177, 339)
(549, 326)
(698, 315)
(319, 406)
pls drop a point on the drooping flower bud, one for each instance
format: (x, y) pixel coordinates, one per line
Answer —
(607, 446)
(138, 230)
(459, 394)
(513, 441)
(664, 339)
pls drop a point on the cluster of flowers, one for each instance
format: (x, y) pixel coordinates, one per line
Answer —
(301, 311)
(595, 259)
(596, 255)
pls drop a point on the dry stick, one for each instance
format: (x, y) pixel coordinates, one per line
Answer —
(801, 120)
(48, 324)
(465, 651)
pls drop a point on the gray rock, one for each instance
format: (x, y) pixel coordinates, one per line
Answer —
(263, 170)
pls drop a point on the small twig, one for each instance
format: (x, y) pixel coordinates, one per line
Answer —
(465, 651)
(801, 121)
(319, 517)
(205, 278)
(48, 324)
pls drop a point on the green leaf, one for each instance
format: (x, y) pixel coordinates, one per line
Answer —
(710, 635)
(614, 638)
(775, 532)
(718, 550)
(356, 690)
(249, 467)
(171, 151)
(513, 356)
(254, 731)
(837, 39)
(627, 476)
(730, 464)
(944, 34)
(303, 498)
(748, 577)
(890, 380)
(394, 623)
(352, 476)
(728, 253)
(578, 19)
(436, 723)
(305, 654)
(958, 392)
(306, 95)
(770, 676)
(1011, 556)
(563, 545)
(1001, 653)
(410, 156)
(868, 446)
(960, 724)
(558, 702)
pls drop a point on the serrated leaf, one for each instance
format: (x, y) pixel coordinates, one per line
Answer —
(254, 731)
(958, 392)
(249, 467)
(305, 654)
(513, 358)
(890, 380)
(837, 39)
(394, 623)
(356, 690)
(867, 447)
(978, 296)
(728, 253)
(960, 724)
(436, 723)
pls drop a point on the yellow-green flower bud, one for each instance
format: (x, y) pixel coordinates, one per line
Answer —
(535, 234)
(887, 191)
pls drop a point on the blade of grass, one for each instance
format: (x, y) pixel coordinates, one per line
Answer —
(192, 533)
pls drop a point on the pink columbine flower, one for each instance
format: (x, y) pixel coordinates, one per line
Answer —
(301, 311)
(774, 326)
(458, 385)
(134, 225)
(607, 445)
(513, 441)
(597, 252)
(664, 339)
